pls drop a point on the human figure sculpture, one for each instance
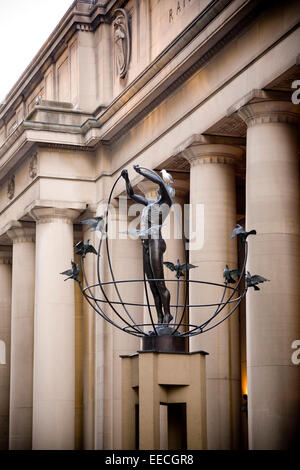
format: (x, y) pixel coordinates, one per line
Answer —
(120, 46)
(122, 41)
(152, 217)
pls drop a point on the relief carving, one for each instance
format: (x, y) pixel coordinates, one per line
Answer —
(33, 166)
(122, 41)
(11, 188)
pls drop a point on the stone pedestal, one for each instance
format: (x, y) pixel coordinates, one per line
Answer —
(151, 379)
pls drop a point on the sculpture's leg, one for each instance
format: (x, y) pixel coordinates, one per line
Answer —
(153, 286)
(157, 247)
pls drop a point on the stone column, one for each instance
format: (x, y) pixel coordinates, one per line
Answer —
(273, 321)
(79, 431)
(89, 319)
(54, 331)
(22, 315)
(212, 185)
(5, 324)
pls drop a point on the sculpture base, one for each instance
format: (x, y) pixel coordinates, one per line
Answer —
(165, 343)
(164, 400)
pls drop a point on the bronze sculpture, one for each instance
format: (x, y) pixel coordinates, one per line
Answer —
(168, 334)
(154, 246)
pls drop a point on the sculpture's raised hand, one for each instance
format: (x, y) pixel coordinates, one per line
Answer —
(124, 174)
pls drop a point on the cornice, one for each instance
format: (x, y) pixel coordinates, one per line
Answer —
(70, 20)
(73, 20)
(187, 53)
(87, 136)
(83, 16)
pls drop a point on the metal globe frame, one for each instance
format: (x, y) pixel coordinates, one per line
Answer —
(120, 308)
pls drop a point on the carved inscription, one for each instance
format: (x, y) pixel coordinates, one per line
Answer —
(178, 9)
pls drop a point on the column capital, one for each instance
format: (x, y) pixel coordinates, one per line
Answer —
(5, 255)
(46, 215)
(21, 232)
(266, 112)
(202, 153)
(260, 107)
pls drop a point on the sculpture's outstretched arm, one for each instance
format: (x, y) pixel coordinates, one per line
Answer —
(135, 197)
(155, 179)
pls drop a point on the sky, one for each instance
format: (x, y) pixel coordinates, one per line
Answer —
(24, 27)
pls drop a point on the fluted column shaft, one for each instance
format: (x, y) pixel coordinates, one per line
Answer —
(273, 321)
(22, 316)
(212, 185)
(54, 331)
(5, 325)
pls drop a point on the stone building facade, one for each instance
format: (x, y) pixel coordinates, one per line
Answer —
(205, 90)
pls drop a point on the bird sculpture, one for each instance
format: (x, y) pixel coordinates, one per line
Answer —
(143, 233)
(179, 268)
(84, 248)
(252, 281)
(72, 273)
(167, 177)
(230, 274)
(239, 230)
(95, 223)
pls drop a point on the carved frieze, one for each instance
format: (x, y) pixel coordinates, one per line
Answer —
(122, 41)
